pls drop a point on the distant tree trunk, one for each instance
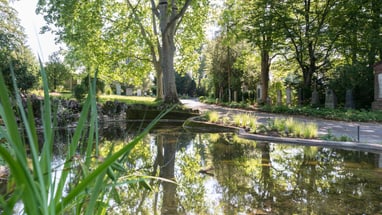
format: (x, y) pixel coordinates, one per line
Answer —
(265, 65)
(229, 74)
(54, 85)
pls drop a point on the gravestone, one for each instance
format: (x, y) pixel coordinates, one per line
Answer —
(139, 92)
(330, 99)
(315, 99)
(299, 96)
(269, 101)
(235, 96)
(349, 100)
(288, 96)
(129, 91)
(258, 90)
(118, 88)
(377, 104)
(279, 97)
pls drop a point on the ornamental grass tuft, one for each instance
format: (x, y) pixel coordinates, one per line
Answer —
(212, 116)
(294, 128)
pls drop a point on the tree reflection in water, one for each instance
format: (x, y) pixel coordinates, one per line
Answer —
(167, 144)
(223, 174)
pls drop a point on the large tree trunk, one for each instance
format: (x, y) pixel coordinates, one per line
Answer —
(307, 85)
(229, 74)
(168, 20)
(308, 72)
(265, 64)
(167, 64)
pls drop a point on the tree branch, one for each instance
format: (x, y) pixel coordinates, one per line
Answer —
(180, 14)
(154, 9)
(143, 31)
(140, 58)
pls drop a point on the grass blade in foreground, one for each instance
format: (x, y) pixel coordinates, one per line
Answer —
(18, 164)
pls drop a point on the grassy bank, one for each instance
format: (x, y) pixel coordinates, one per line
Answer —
(144, 100)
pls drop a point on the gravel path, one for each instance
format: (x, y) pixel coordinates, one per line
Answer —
(368, 132)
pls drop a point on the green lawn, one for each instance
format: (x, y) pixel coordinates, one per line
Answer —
(147, 100)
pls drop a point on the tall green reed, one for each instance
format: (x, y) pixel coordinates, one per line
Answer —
(39, 188)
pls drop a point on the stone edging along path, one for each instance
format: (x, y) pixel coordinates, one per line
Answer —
(196, 125)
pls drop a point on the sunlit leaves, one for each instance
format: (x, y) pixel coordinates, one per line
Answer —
(121, 38)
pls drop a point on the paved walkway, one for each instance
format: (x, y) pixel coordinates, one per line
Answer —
(368, 132)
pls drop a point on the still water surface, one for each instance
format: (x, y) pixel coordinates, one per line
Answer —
(219, 173)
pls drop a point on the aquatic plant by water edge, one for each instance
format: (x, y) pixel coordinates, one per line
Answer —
(39, 189)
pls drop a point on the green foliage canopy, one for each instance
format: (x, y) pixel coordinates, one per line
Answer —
(122, 39)
(13, 50)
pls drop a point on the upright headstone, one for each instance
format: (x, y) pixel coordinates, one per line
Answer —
(139, 92)
(269, 101)
(288, 96)
(330, 99)
(118, 88)
(299, 96)
(279, 97)
(377, 104)
(259, 93)
(349, 100)
(235, 96)
(129, 91)
(315, 99)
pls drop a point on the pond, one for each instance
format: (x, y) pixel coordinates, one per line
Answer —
(219, 173)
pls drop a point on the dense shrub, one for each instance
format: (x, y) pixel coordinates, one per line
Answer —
(79, 92)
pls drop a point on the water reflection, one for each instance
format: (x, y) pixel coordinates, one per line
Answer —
(223, 174)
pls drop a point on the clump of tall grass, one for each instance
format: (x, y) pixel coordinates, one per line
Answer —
(290, 125)
(241, 120)
(40, 189)
(252, 125)
(311, 130)
(294, 128)
(245, 121)
(278, 124)
(212, 116)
